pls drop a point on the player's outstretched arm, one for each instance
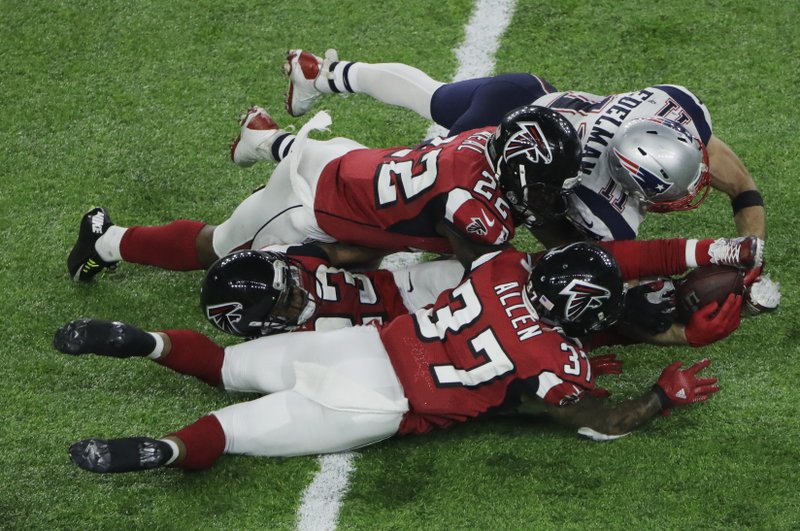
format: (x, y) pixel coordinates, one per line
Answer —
(729, 175)
(598, 420)
(707, 325)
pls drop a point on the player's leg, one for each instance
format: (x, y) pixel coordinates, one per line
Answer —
(184, 351)
(393, 83)
(259, 139)
(283, 424)
(278, 362)
(101, 244)
(339, 392)
(458, 106)
(195, 447)
(482, 102)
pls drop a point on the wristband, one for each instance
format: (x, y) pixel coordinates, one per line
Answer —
(666, 403)
(746, 199)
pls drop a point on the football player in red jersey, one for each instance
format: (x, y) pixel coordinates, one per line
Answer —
(496, 342)
(463, 195)
(648, 150)
(625, 180)
(254, 293)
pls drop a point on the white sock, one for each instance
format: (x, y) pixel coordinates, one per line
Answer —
(395, 84)
(172, 444)
(107, 245)
(159, 348)
(691, 252)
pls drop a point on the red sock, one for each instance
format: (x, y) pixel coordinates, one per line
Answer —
(701, 252)
(194, 354)
(170, 246)
(204, 442)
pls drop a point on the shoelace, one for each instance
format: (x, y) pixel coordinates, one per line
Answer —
(726, 252)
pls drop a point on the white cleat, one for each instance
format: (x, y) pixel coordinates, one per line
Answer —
(255, 140)
(742, 252)
(303, 69)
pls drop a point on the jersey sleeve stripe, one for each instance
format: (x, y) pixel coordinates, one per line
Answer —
(547, 380)
(696, 111)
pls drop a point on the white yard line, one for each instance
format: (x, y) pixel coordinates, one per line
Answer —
(322, 499)
(488, 23)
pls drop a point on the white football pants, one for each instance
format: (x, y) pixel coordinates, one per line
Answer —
(275, 214)
(330, 391)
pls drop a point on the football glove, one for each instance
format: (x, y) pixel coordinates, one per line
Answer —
(712, 322)
(763, 295)
(677, 387)
(650, 306)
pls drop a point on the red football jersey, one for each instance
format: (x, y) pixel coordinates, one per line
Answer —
(394, 198)
(480, 344)
(345, 298)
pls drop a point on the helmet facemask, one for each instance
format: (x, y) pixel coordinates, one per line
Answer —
(252, 293)
(535, 153)
(294, 304)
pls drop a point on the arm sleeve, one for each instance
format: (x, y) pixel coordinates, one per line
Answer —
(649, 258)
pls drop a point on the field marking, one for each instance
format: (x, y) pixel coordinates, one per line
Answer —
(476, 55)
(322, 499)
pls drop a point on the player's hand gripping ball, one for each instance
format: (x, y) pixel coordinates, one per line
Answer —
(705, 285)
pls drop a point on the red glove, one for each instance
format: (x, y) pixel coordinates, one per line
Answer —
(707, 324)
(752, 275)
(605, 364)
(679, 388)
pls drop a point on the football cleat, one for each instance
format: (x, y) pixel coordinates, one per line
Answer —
(106, 338)
(255, 140)
(120, 455)
(744, 252)
(83, 262)
(303, 69)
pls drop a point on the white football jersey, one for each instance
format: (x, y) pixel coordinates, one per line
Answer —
(599, 207)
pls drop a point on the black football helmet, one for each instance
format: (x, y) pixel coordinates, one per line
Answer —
(255, 293)
(536, 155)
(577, 287)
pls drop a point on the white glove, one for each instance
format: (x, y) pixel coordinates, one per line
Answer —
(763, 295)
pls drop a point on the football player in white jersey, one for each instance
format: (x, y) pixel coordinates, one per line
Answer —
(647, 150)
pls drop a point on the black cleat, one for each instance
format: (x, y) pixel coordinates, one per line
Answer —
(106, 338)
(120, 455)
(83, 261)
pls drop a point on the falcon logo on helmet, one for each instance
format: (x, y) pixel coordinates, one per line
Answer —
(225, 316)
(529, 142)
(651, 183)
(582, 296)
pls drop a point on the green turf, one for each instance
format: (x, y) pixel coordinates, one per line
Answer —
(132, 106)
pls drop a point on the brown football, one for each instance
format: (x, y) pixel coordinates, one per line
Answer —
(704, 285)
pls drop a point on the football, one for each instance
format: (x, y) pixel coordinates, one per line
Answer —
(704, 285)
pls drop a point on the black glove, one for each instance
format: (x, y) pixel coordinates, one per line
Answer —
(650, 306)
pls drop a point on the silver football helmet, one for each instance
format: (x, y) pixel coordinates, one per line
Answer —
(661, 163)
